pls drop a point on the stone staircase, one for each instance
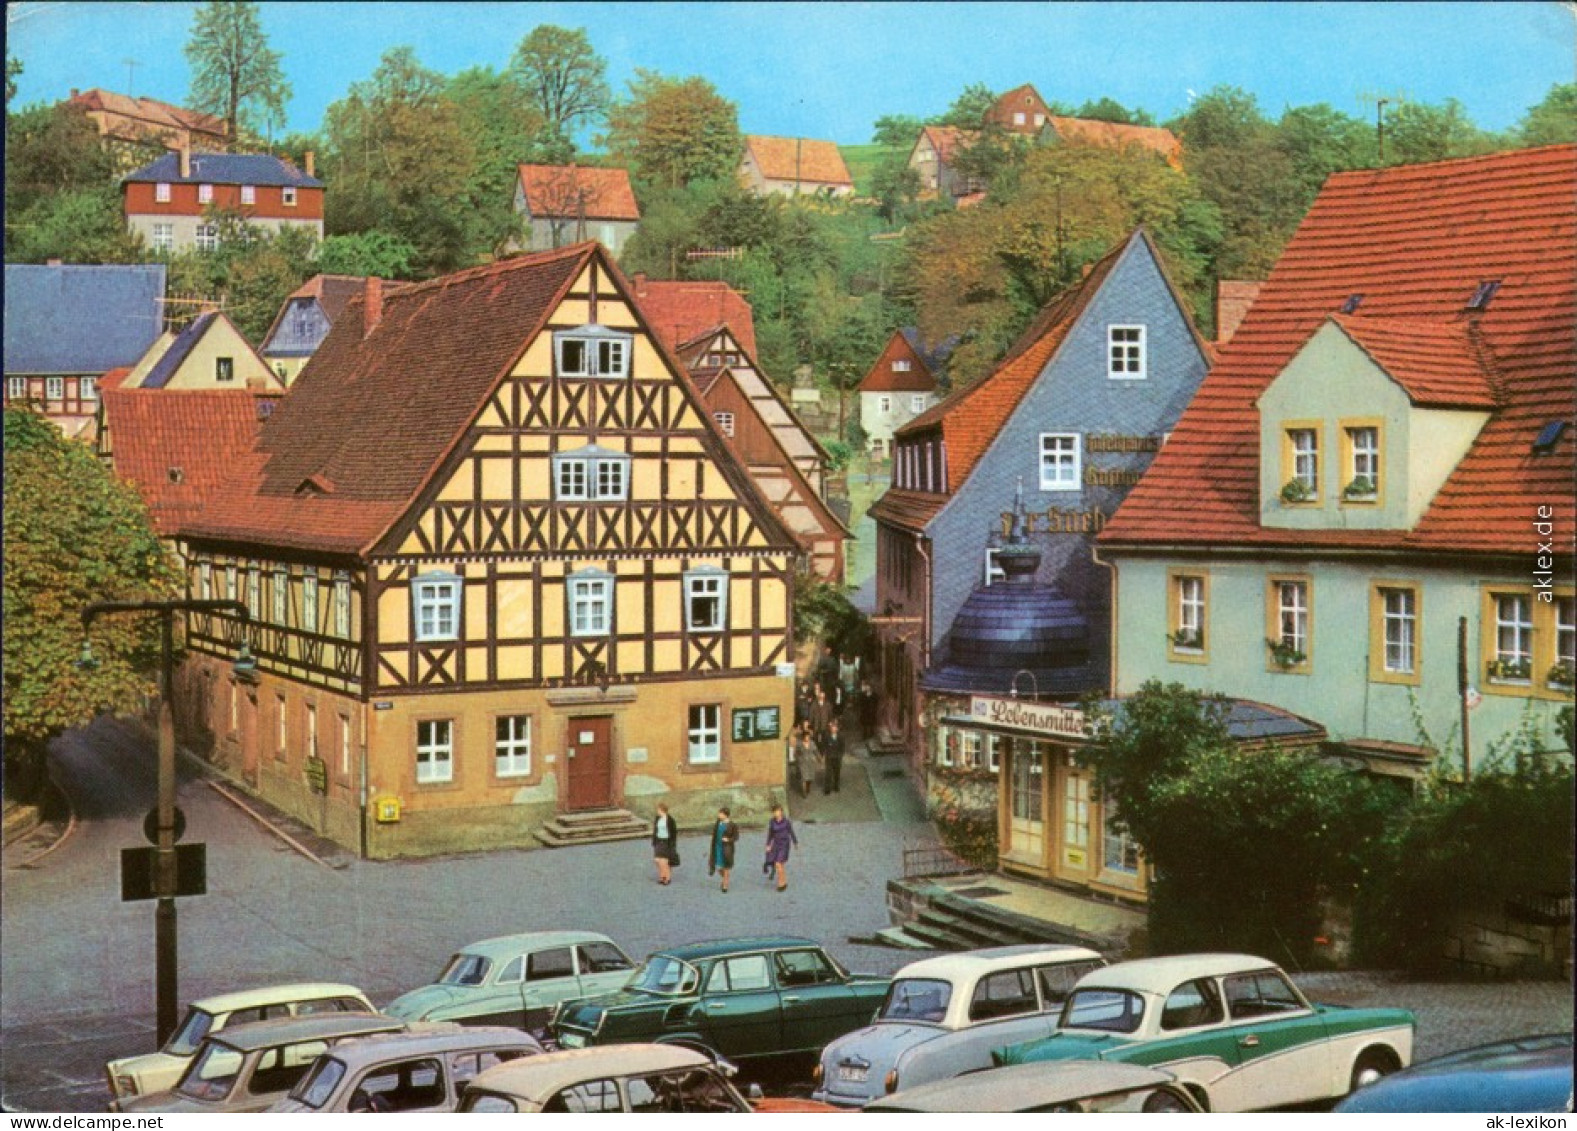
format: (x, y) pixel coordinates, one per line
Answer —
(940, 920)
(593, 826)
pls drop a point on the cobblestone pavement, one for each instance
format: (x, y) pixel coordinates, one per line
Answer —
(77, 963)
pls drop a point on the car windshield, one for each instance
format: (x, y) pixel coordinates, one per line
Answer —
(191, 1033)
(1112, 1011)
(318, 1085)
(916, 999)
(661, 974)
(212, 1074)
(465, 970)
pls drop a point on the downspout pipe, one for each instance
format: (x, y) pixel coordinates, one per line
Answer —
(1111, 666)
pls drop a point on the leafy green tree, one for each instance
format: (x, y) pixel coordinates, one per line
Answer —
(234, 73)
(1554, 120)
(505, 130)
(1110, 110)
(896, 187)
(673, 131)
(367, 253)
(1417, 132)
(61, 198)
(252, 269)
(969, 109)
(13, 71)
(76, 226)
(897, 130)
(74, 534)
(563, 80)
(1318, 141)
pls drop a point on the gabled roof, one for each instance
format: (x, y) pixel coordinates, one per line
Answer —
(155, 115)
(905, 345)
(801, 159)
(186, 341)
(946, 140)
(1116, 135)
(331, 292)
(80, 319)
(1438, 364)
(1416, 241)
(1023, 98)
(224, 169)
(562, 191)
(681, 311)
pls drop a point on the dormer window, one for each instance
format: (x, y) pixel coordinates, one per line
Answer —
(592, 351)
(1125, 358)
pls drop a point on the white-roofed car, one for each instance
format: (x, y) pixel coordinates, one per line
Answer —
(1066, 1086)
(159, 1071)
(1232, 1027)
(945, 1016)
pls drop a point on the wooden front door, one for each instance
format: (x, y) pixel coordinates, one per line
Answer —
(589, 763)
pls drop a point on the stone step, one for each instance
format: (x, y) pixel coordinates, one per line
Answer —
(555, 838)
(937, 938)
(597, 817)
(900, 939)
(1012, 926)
(981, 935)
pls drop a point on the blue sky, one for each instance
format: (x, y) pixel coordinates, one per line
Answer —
(831, 69)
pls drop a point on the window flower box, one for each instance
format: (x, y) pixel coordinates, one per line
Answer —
(1296, 491)
(1190, 639)
(1562, 674)
(1503, 670)
(1361, 489)
(1284, 655)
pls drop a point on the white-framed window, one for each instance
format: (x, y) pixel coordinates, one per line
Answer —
(1189, 635)
(994, 753)
(161, 192)
(288, 196)
(54, 388)
(248, 194)
(230, 583)
(590, 604)
(1365, 446)
(591, 475)
(434, 751)
(312, 730)
(205, 581)
(1305, 457)
(971, 749)
(344, 746)
(207, 237)
(205, 194)
(592, 351)
(512, 746)
(1292, 616)
(706, 733)
(1514, 635)
(1059, 461)
(224, 369)
(725, 421)
(900, 365)
(281, 591)
(342, 605)
(994, 572)
(309, 601)
(435, 601)
(1399, 612)
(706, 600)
(947, 749)
(164, 237)
(284, 725)
(917, 403)
(254, 590)
(1040, 119)
(884, 403)
(1125, 358)
(1018, 117)
(88, 388)
(1566, 631)
(15, 388)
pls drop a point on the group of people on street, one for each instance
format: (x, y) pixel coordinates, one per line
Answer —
(720, 855)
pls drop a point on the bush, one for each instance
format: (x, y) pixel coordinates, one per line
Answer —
(823, 611)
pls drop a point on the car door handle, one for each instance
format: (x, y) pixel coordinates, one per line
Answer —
(715, 1005)
(1249, 1042)
(791, 997)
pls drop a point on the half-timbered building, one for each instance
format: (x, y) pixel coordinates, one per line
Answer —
(501, 567)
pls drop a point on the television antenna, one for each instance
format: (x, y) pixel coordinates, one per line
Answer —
(131, 70)
(1380, 100)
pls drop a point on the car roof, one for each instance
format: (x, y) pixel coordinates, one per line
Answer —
(539, 1077)
(691, 952)
(975, 962)
(431, 1038)
(313, 1027)
(275, 995)
(511, 945)
(1023, 1086)
(1162, 975)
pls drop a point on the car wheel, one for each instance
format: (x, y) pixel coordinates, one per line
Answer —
(1371, 1066)
(1165, 1101)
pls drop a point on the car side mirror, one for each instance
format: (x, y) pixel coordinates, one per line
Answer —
(754, 1093)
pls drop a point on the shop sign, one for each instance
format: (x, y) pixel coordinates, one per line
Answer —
(755, 724)
(1041, 719)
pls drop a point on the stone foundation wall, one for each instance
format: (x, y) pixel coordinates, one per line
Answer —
(1494, 943)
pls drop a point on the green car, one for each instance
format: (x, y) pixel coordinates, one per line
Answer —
(1232, 1028)
(738, 998)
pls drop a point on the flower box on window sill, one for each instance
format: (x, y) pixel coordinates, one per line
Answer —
(1187, 640)
(1562, 675)
(1285, 655)
(1296, 491)
(1510, 671)
(1360, 490)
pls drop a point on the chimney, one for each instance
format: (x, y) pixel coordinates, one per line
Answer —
(372, 304)
(309, 160)
(640, 282)
(52, 263)
(186, 159)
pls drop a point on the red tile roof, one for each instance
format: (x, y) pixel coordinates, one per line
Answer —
(1438, 364)
(1116, 135)
(883, 378)
(947, 140)
(680, 311)
(147, 115)
(1023, 99)
(1415, 241)
(802, 159)
(332, 293)
(560, 191)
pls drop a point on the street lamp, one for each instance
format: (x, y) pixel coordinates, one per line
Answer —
(165, 979)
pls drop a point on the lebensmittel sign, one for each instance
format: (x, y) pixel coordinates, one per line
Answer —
(1041, 719)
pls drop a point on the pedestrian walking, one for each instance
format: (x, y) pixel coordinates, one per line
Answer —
(867, 710)
(827, 672)
(780, 836)
(665, 844)
(724, 836)
(822, 712)
(806, 756)
(831, 759)
(848, 682)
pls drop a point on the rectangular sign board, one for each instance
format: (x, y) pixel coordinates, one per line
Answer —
(755, 724)
(138, 867)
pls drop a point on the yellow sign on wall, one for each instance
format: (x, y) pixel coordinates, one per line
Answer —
(387, 810)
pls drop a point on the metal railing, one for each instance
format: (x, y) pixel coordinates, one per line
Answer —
(921, 861)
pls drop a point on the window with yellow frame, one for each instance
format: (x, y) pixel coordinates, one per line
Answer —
(1529, 642)
(1300, 463)
(1187, 616)
(1361, 470)
(1396, 617)
(1289, 623)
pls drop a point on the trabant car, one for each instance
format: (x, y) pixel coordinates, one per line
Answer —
(741, 998)
(1233, 1029)
(1066, 1086)
(249, 1067)
(159, 1071)
(415, 1071)
(944, 1016)
(518, 979)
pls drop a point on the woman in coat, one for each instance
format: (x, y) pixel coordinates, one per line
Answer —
(780, 836)
(724, 835)
(665, 843)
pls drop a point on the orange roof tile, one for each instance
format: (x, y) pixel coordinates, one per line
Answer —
(1437, 364)
(1415, 241)
(946, 140)
(559, 191)
(149, 113)
(1116, 135)
(678, 311)
(802, 159)
(883, 377)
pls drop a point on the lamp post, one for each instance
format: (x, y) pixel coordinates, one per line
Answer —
(166, 995)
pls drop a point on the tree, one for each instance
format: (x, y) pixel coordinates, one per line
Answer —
(897, 130)
(367, 253)
(251, 269)
(1554, 120)
(563, 79)
(1318, 141)
(74, 534)
(504, 130)
(1110, 110)
(672, 131)
(1417, 132)
(896, 185)
(969, 109)
(234, 74)
(13, 71)
(61, 199)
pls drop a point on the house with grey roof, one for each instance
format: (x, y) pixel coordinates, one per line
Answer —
(171, 203)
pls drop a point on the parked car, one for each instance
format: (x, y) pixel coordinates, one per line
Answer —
(415, 1071)
(1233, 1027)
(618, 1078)
(518, 979)
(1069, 1086)
(944, 1016)
(249, 1067)
(740, 998)
(159, 1071)
(1529, 1075)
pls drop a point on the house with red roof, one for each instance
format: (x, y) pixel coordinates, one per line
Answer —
(1373, 485)
(986, 583)
(147, 121)
(565, 204)
(901, 383)
(1021, 111)
(304, 320)
(934, 157)
(506, 578)
(794, 166)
